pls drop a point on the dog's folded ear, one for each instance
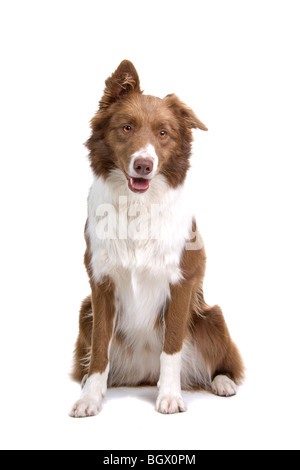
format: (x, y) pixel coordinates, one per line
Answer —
(184, 113)
(123, 81)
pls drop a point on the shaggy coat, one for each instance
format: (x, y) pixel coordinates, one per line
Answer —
(146, 321)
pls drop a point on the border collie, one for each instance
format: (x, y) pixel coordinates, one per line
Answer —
(146, 321)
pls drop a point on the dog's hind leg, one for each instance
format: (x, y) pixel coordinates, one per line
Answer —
(82, 353)
(219, 352)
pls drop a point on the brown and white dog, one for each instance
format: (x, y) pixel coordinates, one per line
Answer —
(146, 322)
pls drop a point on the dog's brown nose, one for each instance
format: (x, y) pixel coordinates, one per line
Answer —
(143, 166)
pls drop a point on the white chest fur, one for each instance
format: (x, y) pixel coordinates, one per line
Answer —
(137, 240)
(139, 233)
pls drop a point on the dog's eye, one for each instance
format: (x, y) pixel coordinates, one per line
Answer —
(163, 134)
(127, 129)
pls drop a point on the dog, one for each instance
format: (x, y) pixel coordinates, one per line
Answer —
(146, 321)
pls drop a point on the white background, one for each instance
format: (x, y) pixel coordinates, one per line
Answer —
(236, 62)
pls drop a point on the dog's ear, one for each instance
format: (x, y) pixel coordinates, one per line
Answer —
(183, 112)
(123, 81)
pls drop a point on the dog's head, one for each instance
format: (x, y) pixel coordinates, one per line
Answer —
(141, 135)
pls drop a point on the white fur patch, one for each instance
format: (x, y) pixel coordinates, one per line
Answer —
(137, 232)
(169, 398)
(146, 152)
(194, 370)
(142, 263)
(91, 397)
(223, 386)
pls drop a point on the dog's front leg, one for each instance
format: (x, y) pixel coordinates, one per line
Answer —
(176, 323)
(103, 320)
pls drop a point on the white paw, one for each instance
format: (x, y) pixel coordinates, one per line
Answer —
(223, 386)
(92, 395)
(86, 406)
(169, 404)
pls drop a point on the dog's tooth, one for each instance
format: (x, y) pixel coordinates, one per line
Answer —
(131, 181)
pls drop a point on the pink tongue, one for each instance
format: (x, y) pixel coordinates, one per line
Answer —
(140, 184)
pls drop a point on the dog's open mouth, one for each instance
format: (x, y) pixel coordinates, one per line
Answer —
(138, 185)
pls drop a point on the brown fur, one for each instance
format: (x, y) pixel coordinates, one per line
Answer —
(124, 99)
(187, 315)
(205, 324)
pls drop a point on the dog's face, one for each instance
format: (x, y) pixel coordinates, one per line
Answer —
(141, 135)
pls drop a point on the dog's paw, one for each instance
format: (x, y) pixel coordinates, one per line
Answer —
(223, 386)
(86, 406)
(169, 404)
